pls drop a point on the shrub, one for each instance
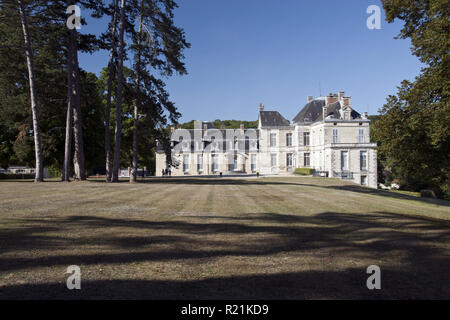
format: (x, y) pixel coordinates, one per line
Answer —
(427, 194)
(16, 176)
(54, 171)
(445, 188)
(305, 171)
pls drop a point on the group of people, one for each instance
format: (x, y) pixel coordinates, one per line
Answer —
(166, 172)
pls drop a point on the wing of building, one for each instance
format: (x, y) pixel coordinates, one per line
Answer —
(327, 135)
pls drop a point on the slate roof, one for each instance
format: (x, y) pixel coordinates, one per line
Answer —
(223, 133)
(273, 119)
(312, 112)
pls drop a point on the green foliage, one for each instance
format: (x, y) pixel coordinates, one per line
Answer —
(414, 127)
(235, 124)
(49, 36)
(54, 171)
(4, 176)
(226, 124)
(49, 39)
(305, 171)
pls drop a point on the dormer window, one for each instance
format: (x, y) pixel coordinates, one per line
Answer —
(347, 113)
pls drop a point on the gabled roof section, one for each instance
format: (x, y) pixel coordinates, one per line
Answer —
(273, 119)
(312, 112)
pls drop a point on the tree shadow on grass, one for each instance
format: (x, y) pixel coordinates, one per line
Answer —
(330, 184)
(332, 284)
(228, 180)
(423, 272)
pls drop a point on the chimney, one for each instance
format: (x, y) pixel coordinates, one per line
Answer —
(365, 115)
(261, 107)
(205, 128)
(331, 98)
(347, 101)
(309, 99)
(242, 128)
(341, 95)
(324, 112)
(172, 129)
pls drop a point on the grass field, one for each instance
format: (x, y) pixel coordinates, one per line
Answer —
(266, 238)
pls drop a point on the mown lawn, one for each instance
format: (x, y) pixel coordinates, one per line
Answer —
(266, 238)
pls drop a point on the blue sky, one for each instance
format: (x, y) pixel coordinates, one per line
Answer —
(277, 52)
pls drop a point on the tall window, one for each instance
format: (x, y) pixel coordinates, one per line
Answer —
(335, 136)
(306, 138)
(306, 159)
(213, 143)
(363, 160)
(364, 180)
(289, 139)
(273, 139)
(344, 160)
(199, 162)
(185, 162)
(361, 136)
(215, 162)
(273, 159)
(289, 160)
(253, 162)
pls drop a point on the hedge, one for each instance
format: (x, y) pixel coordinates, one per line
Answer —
(54, 172)
(16, 176)
(305, 171)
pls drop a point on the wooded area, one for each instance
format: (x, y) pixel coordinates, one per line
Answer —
(54, 114)
(73, 112)
(414, 128)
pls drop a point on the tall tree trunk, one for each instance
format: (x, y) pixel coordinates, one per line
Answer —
(39, 175)
(78, 156)
(118, 132)
(69, 129)
(111, 73)
(137, 102)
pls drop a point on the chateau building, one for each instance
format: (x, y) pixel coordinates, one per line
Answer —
(327, 135)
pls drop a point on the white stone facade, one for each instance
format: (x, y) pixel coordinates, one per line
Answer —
(327, 135)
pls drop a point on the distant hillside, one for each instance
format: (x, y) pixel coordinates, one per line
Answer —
(235, 124)
(227, 124)
(374, 118)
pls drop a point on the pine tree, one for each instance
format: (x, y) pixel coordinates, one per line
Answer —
(118, 130)
(111, 76)
(161, 55)
(39, 175)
